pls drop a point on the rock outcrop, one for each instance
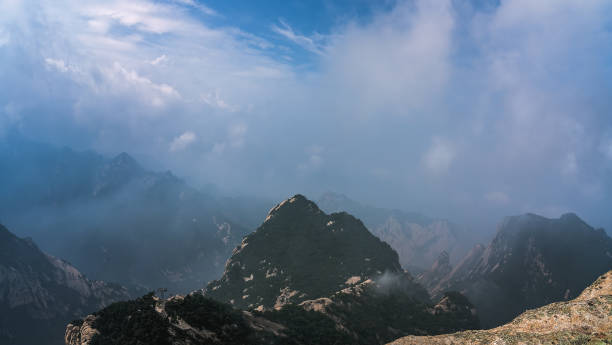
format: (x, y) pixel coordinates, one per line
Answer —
(586, 319)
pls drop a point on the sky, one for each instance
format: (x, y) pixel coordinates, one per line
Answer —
(467, 110)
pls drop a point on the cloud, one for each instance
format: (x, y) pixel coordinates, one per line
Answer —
(205, 9)
(60, 65)
(311, 44)
(514, 97)
(182, 141)
(439, 157)
(160, 59)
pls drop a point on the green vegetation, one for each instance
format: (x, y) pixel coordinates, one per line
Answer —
(131, 323)
(204, 313)
(308, 327)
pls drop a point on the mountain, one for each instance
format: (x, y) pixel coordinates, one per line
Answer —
(117, 221)
(417, 239)
(586, 319)
(301, 253)
(39, 293)
(532, 261)
(353, 316)
(303, 277)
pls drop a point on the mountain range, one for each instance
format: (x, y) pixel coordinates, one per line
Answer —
(117, 221)
(418, 239)
(303, 277)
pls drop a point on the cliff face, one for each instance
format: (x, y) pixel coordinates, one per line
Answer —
(41, 290)
(586, 319)
(532, 261)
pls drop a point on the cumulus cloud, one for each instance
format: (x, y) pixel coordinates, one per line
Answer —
(182, 141)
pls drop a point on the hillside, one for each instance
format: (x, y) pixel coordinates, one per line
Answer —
(39, 293)
(586, 319)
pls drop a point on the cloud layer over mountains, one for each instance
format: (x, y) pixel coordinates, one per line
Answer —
(453, 108)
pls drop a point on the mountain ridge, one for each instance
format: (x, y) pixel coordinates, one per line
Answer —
(532, 261)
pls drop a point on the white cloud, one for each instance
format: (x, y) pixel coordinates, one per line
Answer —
(60, 65)
(205, 9)
(213, 99)
(160, 59)
(182, 141)
(312, 44)
(439, 157)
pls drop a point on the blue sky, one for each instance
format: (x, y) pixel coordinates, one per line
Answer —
(470, 110)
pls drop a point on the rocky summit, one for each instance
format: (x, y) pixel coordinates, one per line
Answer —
(532, 261)
(586, 319)
(42, 293)
(301, 253)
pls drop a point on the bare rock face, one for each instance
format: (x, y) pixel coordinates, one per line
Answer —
(438, 271)
(586, 319)
(36, 288)
(531, 262)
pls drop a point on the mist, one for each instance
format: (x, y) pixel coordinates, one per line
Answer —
(457, 109)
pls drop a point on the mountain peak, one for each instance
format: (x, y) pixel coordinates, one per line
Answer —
(124, 160)
(297, 204)
(300, 253)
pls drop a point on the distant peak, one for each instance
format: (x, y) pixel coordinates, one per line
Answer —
(124, 158)
(124, 161)
(333, 196)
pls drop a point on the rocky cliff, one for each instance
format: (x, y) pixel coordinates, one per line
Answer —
(586, 319)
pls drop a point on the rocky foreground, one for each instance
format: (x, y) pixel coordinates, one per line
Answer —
(584, 320)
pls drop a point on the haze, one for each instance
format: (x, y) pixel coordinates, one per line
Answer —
(468, 110)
